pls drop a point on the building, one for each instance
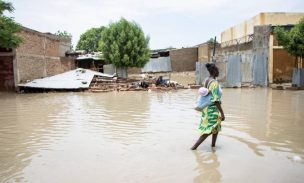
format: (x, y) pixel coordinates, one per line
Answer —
(39, 55)
(184, 59)
(93, 61)
(249, 52)
(170, 60)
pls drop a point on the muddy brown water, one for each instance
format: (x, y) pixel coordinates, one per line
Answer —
(146, 136)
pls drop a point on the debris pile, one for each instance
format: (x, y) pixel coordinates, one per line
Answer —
(105, 84)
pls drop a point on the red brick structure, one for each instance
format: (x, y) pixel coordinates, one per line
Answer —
(39, 55)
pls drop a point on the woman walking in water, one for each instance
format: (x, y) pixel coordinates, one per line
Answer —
(213, 114)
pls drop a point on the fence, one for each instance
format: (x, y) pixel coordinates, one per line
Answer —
(201, 72)
(234, 78)
(160, 64)
(110, 69)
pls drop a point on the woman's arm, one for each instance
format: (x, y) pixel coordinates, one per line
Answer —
(218, 105)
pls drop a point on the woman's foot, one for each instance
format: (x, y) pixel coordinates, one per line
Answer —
(199, 141)
(213, 148)
(193, 148)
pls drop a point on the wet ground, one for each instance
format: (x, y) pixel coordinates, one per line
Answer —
(146, 137)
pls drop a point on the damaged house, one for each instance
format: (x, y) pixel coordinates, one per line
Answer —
(38, 56)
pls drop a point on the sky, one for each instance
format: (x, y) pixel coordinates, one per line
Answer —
(169, 23)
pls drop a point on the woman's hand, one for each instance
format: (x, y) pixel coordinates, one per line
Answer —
(198, 109)
(223, 117)
(218, 105)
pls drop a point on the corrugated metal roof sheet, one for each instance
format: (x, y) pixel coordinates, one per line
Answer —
(75, 79)
(160, 64)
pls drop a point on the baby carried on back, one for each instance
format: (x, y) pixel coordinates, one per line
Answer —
(204, 99)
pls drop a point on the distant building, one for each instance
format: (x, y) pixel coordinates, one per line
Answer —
(39, 55)
(249, 52)
(170, 60)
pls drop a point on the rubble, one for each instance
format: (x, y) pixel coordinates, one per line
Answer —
(285, 86)
(100, 84)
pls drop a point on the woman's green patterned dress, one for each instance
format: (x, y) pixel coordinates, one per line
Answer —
(211, 117)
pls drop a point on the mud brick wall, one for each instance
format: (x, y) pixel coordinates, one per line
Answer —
(67, 64)
(184, 59)
(30, 67)
(36, 43)
(54, 67)
(39, 56)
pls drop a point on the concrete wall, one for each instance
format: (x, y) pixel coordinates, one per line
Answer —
(109, 69)
(204, 52)
(240, 30)
(282, 18)
(39, 56)
(261, 54)
(246, 27)
(184, 59)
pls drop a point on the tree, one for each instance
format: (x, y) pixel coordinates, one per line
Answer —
(124, 44)
(89, 40)
(8, 27)
(211, 41)
(64, 34)
(293, 40)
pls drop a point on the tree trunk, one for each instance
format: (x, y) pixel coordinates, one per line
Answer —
(296, 62)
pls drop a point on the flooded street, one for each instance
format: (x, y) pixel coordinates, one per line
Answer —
(146, 137)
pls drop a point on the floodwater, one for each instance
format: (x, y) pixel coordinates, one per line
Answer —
(146, 137)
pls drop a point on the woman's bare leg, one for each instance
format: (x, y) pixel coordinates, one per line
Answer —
(199, 141)
(214, 137)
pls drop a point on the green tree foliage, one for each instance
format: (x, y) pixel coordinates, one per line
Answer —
(64, 34)
(211, 41)
(8, 27)
(89, 40)
(124, 44)
(293, 40)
